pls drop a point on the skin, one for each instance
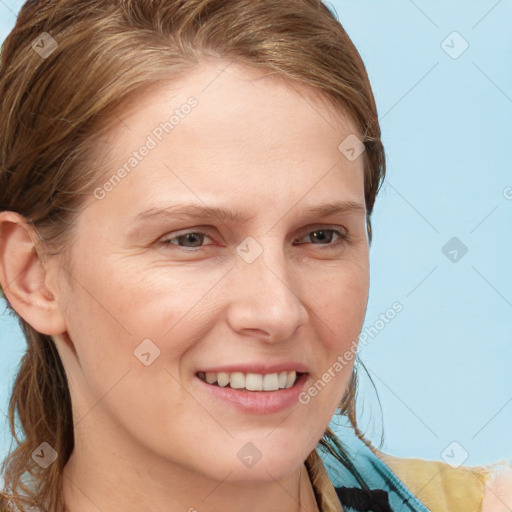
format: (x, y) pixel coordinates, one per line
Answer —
(150, 434)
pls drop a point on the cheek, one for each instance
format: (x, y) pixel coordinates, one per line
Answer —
(121, 316)
(340, 312)
(340, 303)
(152, 299)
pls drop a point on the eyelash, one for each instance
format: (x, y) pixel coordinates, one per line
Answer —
(343, 239)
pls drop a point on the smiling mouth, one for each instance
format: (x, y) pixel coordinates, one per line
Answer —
(250, 381)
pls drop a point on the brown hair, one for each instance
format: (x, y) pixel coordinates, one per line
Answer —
(54, 105)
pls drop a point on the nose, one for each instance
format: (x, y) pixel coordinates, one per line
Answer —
(266, 300)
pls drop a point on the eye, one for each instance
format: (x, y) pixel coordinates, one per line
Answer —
(193, 241)
(324, 236)
(194, 238)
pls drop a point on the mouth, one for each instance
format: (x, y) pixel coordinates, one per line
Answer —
(251, 381)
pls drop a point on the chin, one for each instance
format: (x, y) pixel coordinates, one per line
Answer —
(247, 463)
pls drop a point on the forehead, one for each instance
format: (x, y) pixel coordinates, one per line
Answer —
(229, 125)
(230, 96)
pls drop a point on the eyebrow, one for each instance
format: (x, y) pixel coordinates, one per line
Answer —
(194, 211)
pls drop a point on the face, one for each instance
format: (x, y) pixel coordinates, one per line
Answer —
(160, 295)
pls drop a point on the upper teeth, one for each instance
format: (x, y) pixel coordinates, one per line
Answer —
(251, 381)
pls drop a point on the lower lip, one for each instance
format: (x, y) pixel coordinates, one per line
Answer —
(259, 402)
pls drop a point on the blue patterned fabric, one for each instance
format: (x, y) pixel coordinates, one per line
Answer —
(389, 494)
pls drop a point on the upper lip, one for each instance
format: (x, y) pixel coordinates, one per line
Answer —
(261, 368)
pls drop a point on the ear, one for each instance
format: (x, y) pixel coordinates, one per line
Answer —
(24, 277)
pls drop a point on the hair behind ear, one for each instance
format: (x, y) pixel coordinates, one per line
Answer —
(40, 401)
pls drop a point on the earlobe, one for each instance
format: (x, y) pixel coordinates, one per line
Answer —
(23, 276)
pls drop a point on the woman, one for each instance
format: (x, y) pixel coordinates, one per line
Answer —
(186, 191)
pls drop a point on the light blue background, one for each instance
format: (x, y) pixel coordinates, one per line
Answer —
(443, 366)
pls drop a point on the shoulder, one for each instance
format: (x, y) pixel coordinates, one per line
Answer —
(498, 491)
(444, 488)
